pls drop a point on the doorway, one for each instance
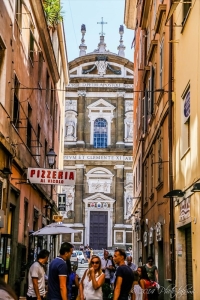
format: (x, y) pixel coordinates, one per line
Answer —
(98, 229)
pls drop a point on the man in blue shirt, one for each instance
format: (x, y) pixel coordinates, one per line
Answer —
(58, 272)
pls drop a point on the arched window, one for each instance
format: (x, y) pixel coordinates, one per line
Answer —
(100, 133)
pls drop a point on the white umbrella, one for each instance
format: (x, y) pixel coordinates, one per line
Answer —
(55, 228)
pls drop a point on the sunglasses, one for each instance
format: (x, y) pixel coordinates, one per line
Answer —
(95, 262)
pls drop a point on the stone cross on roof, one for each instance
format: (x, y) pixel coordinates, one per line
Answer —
(102, 23)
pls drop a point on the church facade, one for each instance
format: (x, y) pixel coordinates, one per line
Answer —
(98, 145)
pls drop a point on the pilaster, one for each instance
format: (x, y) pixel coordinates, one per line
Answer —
(81, 119)
(120, 119)
(78, 203)
(119, 208)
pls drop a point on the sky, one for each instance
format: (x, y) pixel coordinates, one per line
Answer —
(89, 12)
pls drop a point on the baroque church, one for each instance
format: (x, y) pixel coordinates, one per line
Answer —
(98, 145)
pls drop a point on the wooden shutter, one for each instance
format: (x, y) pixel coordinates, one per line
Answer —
(152, 72)
(1, 193)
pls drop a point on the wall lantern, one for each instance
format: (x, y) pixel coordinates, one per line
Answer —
(51, 155)
(196, 187)
(174, 193)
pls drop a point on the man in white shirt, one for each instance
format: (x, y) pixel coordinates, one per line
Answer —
(36, 277)
(106, 266)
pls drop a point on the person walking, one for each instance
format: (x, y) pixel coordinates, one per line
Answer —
(36, 277)
(136, 291)
(106, 266)
(130, 264)
(124, 276)
(72, 283)
(112, 272)
(152, 270)
(58, 272)
(91, 284)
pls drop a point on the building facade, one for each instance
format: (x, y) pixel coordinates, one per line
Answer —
(186, 144)
(98, 144)
(33, 63)
(153, 215)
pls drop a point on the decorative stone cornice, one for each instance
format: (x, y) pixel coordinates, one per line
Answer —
(120, 93)
(80, 166)
(81, 93)
(118, 166)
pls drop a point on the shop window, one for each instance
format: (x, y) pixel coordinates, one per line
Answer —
(5, 250)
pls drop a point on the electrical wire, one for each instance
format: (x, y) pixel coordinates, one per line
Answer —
(73, 23)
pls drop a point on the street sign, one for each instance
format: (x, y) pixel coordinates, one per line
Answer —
(61, 202)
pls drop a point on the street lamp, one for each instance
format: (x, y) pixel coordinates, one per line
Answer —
(51, 155)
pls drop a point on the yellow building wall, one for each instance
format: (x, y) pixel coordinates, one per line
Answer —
(187, 159)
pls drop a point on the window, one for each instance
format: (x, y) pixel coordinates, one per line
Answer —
(38, 143)
(45, 153)
(31, 47)
(29, 127)
(161, 62)
(185, 130)
(152, 173)
(47, 89)
(100, 133)
(40, 67)
(186, 9)
(151, 88)
(1, 193)
(51, 100)
(18, 11)
(16, 104)
(160, 164)
(145, 111)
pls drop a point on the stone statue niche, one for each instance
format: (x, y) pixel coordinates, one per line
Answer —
(128, 122)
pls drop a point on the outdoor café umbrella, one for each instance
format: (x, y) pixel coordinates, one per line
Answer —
(55, 228)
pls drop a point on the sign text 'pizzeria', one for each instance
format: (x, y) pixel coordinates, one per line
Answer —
(51, 176)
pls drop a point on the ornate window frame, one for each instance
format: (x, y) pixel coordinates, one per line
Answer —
(100, 109)
(99, 177)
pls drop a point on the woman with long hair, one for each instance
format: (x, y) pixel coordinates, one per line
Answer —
(91, 284)
(149, 290)
(6, 293)
(136, 291)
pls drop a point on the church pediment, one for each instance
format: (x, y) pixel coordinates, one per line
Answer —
(98, 197)
(101, 103)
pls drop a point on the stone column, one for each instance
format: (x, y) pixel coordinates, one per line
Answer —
(119, 204)
(78, 202)
(120, 119)
(81, 119)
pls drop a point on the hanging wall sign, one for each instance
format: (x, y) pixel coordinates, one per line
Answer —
(61, 202)
(51, 176)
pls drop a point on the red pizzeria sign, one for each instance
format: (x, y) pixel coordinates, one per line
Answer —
(51, 176)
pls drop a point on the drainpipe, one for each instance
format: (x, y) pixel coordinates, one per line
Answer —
(170, 136)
